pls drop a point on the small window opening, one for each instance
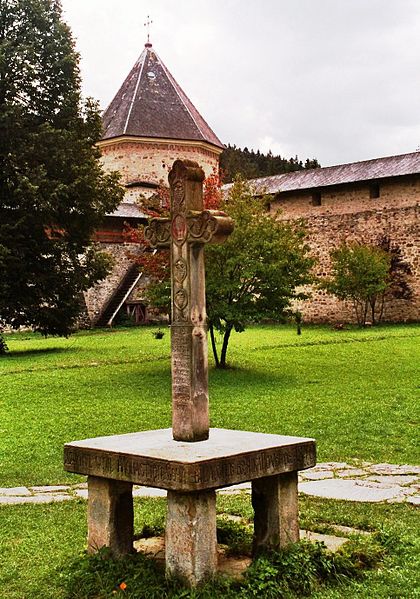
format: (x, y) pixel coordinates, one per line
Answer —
(316, 198)
(374, 191)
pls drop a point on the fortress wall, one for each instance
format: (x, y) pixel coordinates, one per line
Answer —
(351, 198)
(328, 231)
(347, 213)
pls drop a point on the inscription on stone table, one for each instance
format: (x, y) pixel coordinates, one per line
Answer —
(194, 475)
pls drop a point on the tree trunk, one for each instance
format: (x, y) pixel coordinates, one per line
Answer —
(381, 311)
(372, 309)
(214, 347)
(223, 353)
(365, 311)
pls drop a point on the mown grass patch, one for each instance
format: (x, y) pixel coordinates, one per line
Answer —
(355, 392)
(42, 550)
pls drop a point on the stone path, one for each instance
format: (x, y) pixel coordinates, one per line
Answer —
(391, 483)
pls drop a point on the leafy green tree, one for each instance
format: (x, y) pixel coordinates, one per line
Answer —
(253, 275)
(360, 273)
(54, 192)
(256, 273)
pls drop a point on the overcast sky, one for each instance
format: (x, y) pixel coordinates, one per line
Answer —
(338, 80)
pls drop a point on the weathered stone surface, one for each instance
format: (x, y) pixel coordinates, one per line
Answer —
(155, 459)
(348, 211)
(234, 489)
(189, 461)
(317, 474)
(414, 500)
(275, 503)
(351, 490)
(190, 536)
(330, 541)
(152, 546)
(148, 492)
(350, 472)
(50, 488)
(34, 499)
(401, 479)
(394, 469)
(82, 493)
(186, 233)
(330, 466)
(110, 516)
(15, 491)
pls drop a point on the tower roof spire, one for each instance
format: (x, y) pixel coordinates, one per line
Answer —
(150, 103)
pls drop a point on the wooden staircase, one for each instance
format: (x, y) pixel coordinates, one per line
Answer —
(126, 286)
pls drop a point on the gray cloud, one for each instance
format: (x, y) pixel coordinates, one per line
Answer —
(332, 79)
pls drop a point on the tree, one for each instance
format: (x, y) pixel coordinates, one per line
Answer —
(256, 273)
(251, 276)
(54, 193)
(398, 274)
(360, 273)
(250, 164)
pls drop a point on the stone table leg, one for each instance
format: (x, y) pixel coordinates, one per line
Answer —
(110, 515)
(190, 538)
(275, 503)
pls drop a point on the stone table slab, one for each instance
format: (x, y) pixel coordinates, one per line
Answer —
(154, 459)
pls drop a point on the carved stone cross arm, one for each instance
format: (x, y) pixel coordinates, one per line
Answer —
(186, 232)
(207, 226)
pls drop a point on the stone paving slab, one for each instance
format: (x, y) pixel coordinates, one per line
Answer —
(391, 469)
(350, 490)
(397, 479)
(15, 491)
(82, 493)
(39, 498)
(313, 474)
(392, 483)
(414, 500)
(50, 489)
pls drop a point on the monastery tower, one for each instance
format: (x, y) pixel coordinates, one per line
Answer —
(148, 125)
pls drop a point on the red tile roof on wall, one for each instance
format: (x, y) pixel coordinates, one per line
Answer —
(150, 103)
(367, 170)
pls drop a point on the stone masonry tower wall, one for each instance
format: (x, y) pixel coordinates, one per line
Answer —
(148, 161)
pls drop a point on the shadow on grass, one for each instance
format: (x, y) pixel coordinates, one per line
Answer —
(246, 378)
(40, 351)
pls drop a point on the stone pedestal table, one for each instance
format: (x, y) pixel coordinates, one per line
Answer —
(190, 472)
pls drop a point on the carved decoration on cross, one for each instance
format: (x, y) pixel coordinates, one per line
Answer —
(189, 228)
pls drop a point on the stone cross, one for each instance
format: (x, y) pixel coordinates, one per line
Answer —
(147, 24)
(186, 232)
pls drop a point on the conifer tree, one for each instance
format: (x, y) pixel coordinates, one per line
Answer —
(53, 192)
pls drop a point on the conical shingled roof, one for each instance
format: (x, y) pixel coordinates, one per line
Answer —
(150, 103)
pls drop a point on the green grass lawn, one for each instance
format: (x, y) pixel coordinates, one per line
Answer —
(40, 544)
(356, 392)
